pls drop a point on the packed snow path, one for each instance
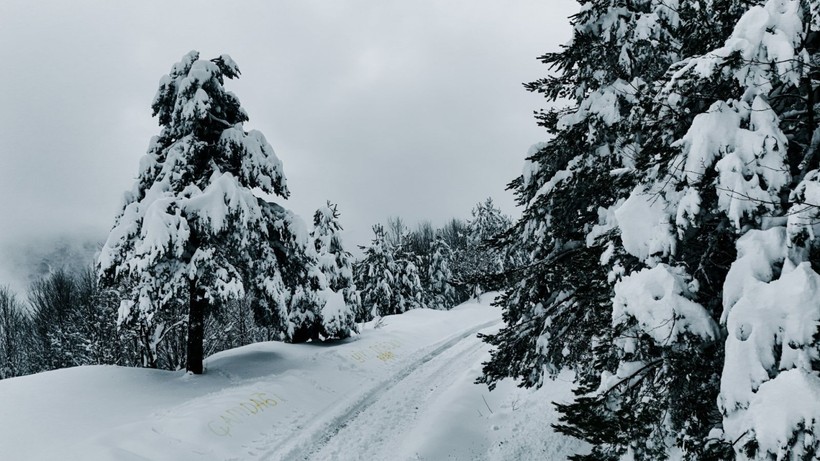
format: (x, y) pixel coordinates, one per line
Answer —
(378, 420)
(400, 391)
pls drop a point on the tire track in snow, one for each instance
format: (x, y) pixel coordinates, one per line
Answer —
(318, 435)
(380, 431)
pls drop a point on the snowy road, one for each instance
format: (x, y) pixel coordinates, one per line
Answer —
(388, 424)
(380, 420)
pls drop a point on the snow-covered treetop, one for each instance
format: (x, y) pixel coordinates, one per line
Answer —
(335, 262)
(616, 36)
(326, 228)
(195, 211)
(191, 102)
(765, 42)
(487, 222)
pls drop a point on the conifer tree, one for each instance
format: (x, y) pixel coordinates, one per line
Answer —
(572, 306)
(747, 162)
(455, 234)
(377, 278)
(728, 133)
(420, 243)
(407, 290)
(568, 184)
(481, 264)
(192, 230)
(654, 394)
(713, 164)
(442, 294)
(338, 315)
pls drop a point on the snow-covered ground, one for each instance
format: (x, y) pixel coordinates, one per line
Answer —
(402, 391)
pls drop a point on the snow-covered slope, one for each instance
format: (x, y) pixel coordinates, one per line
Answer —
(401, 391)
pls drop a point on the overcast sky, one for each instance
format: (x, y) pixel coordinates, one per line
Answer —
(388, 108)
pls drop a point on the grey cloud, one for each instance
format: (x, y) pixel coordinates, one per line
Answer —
(389, 108)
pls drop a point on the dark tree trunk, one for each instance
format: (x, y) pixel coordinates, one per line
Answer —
(149, 354)
(196, 328)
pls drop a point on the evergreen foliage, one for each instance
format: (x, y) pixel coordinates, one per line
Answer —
(692, 127)
(442, 294)
(377, 278)
(481, 266)
(563, 312)
(407, 291)
(336, 265)
(456, 234)
(192, 233)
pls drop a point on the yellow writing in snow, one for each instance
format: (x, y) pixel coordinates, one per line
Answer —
(383, 351)
(257, 403)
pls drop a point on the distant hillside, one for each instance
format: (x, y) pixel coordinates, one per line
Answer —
(25, 262)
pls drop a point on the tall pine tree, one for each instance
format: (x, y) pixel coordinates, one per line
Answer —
(193, 230)
(563, 300)
(748, 159)
(376, 277)
(712, 220)
(731, 138)
(441, 292)
(575, 303)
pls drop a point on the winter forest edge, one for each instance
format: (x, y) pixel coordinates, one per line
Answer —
(666, 254)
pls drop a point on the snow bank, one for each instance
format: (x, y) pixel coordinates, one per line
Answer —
(256, 398)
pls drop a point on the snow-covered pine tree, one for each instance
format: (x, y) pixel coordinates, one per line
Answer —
(481, 265)
(192, 229)
(455, 234)
(742, 176)
(569, 308)
(442, 294)
(714, 165)
(338, 315)
(561, 306)
(309, 297)
(654, 396)
(487, 222)
(376, 277)
(419, 242)
(407, 290)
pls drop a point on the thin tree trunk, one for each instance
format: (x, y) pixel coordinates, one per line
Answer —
(196, 328)
(149, 349)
